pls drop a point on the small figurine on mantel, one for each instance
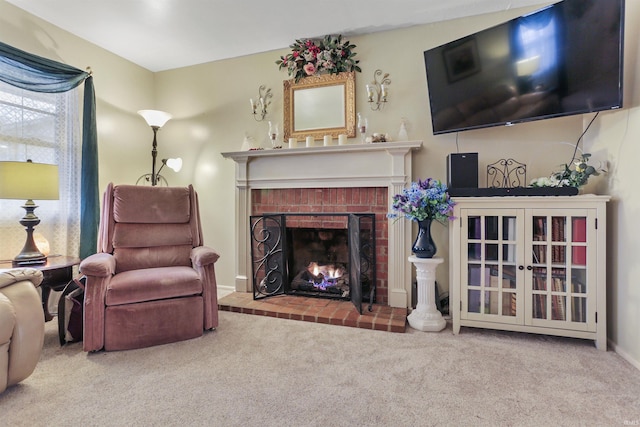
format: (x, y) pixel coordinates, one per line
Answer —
(249, 143)
(402, 133)
(379, 137)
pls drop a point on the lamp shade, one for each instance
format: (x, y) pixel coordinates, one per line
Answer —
(155, 118)
(28, 181)
(175, 164)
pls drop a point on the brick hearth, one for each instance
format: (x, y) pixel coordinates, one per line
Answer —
(318, 310)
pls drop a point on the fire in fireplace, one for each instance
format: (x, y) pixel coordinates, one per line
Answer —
(326, 255)
(316, 278)
(319, 259)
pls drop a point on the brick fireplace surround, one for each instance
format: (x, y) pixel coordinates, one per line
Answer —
(348, 178)
(333, 200)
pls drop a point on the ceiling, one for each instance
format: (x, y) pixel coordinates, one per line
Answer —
(165, 34)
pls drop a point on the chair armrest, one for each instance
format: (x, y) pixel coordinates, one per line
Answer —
(203, 260)
(203, 255)
(98, 265)
(99, 269)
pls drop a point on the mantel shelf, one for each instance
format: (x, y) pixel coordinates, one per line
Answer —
(349, 148)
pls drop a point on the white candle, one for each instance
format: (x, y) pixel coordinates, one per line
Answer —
(327, 140)
(342, 139)
(293, 142)
(309, 141)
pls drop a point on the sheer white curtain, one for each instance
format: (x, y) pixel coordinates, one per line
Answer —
(46, 128)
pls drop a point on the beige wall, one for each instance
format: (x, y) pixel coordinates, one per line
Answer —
(212, 114)
(618, 135)
(210, 104)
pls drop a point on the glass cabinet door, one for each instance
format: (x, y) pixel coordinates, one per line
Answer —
(559, 286)
(490, 283)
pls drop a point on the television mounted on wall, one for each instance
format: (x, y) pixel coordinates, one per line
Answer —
(564, 59)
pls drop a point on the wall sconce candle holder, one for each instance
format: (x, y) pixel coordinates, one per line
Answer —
(259, 106)
(378, 91)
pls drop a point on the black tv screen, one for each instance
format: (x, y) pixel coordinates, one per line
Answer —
(562, 60)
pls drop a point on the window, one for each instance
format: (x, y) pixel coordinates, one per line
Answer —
(45, 128)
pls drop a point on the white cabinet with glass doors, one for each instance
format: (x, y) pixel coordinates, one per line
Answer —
(530, 264)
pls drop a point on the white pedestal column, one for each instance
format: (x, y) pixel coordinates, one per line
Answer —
(426, 316)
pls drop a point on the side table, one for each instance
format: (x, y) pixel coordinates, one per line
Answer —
(57, 272)
(426, 316)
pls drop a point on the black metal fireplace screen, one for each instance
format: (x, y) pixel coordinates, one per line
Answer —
(292, 254)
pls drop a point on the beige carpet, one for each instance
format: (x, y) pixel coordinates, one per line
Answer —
(262, 371)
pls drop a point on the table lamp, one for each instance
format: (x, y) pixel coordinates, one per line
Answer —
(28, 180)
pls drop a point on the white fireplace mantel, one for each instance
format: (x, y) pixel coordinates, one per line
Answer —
(355, 165)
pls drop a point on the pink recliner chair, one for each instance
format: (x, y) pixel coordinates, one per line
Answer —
(152, 281)
(21, 324)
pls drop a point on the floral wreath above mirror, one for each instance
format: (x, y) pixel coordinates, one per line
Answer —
(310, 57)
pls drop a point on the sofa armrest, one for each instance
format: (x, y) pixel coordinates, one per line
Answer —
(8, 277)
(22, 331)
(203, 255)
(98, 265)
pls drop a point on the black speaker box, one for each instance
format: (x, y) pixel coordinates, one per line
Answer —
(462, 170)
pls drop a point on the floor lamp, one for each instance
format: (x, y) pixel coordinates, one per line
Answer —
(174, 164)
(155, 119)
(28, 181)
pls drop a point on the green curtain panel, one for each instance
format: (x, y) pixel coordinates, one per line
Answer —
(35, 73)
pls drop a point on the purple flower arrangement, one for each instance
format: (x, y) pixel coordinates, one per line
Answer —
(426, 199)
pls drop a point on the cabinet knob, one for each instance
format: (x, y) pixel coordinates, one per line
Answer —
(521, 267)
(529, 268)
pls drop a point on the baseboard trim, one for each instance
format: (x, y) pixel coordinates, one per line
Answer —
(626, 356)
(225, 290)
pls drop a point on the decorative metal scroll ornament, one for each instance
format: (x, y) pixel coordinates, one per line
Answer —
(506, 173)
(267, 256)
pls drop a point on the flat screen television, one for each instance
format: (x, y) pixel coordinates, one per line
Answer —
(561, 60)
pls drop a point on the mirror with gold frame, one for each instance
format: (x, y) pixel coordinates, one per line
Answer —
(320, 105)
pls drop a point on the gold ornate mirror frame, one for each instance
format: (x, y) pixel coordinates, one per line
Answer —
(320, 105)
